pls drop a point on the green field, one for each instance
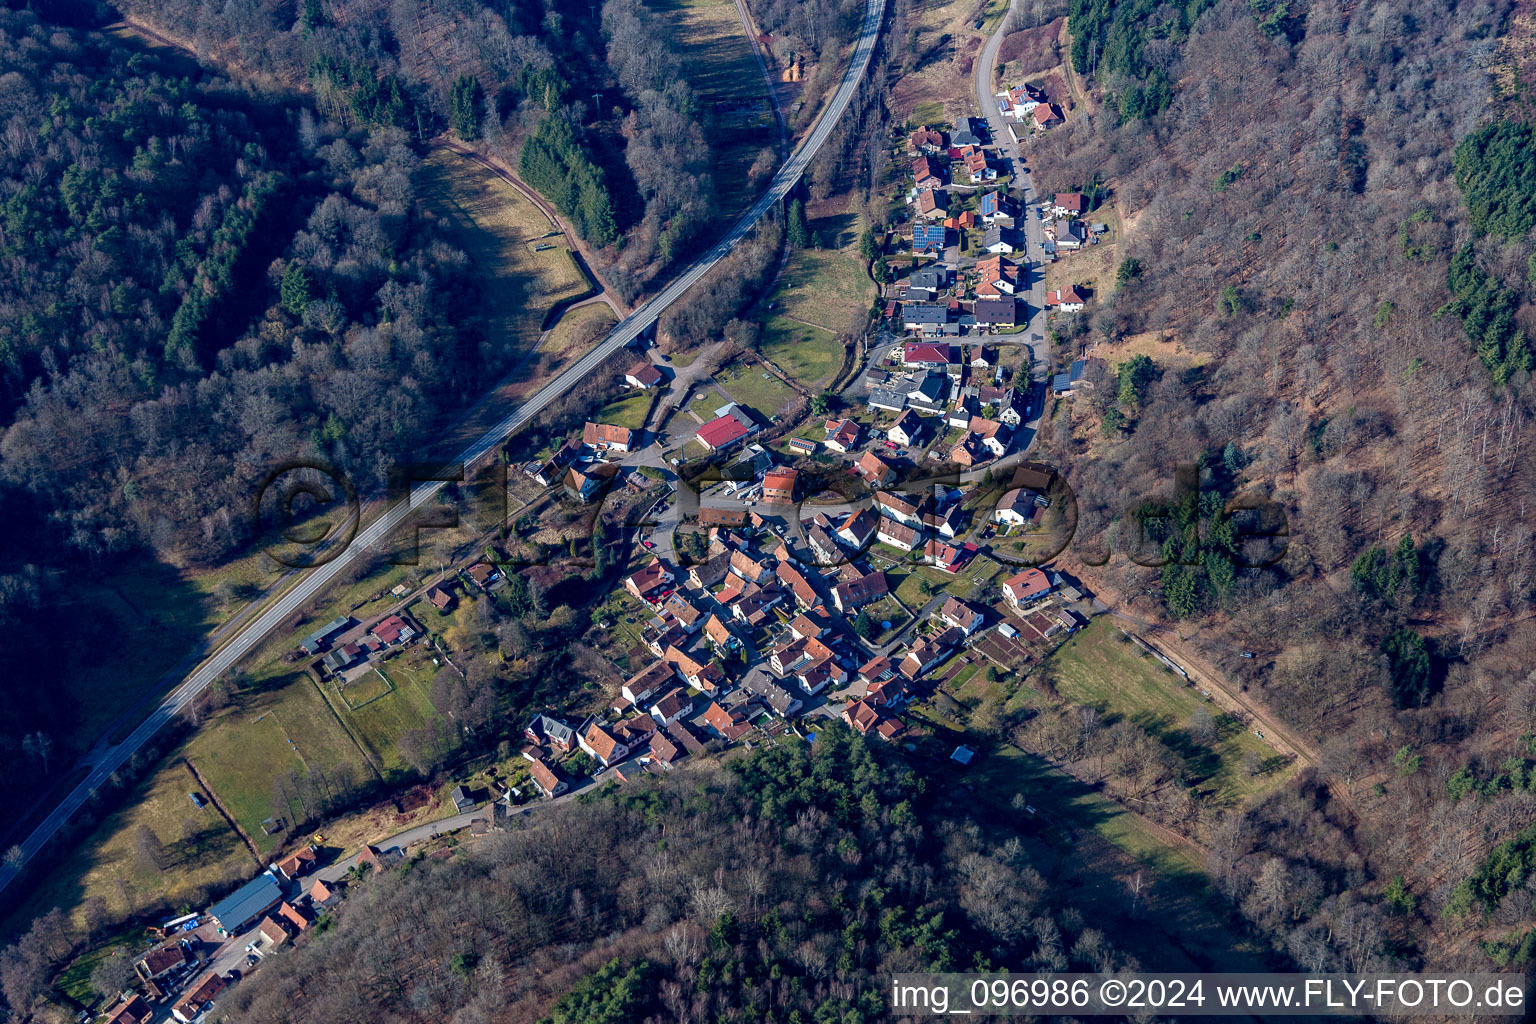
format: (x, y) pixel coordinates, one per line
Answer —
(755, 388)
(825, 287)
(809, 354)
(630, 411)
(1098, 668)
(381, 722)
(579, 327)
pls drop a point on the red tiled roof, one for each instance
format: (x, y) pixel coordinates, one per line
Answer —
(721, 431)
(602, 434)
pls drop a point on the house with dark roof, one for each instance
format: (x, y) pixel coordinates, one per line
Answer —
(843, 436)
(999, 239)
(561, 736)
(316, 641)
(908, 428)
(235, 912)
(588, 483)
(133, 1010)
(851, 595)
(926, 318)
(965, 617)
(198, 998)
(856, 530)
(996, 312)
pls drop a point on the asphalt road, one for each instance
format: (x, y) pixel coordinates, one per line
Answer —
(109, 759)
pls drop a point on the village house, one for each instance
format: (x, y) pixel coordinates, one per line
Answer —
(1046, 115)
(823, 546)
(393, 629)
(133, 1010)
(731, 725)
(851, 595)
(894, 506)
(928, 392)
(605, 437)
(1068, 204)
(792, 578)
(996, 277)
(908, 428)
(643, 375)
(926, 140)
(967, 618)
(927, 237)
(650, 579)
(751, 570)
(813, 622)
(873, 471)
(708, 574)
(588, 483)
(995, 206)
(994, 436)
(297, 863)
(665, 751)
(858, 528)
(925, 174)
(483, 575)
(754, 604)
(550, 782)
(671, 707)
(644, 684)
(947, 557)
(294, 916)
(896, 534)
(198, 998)
(1025, 588)
(726, 429)
(996, 312)
(1068, 234)
(843, 437)
(927, 319)
(440, 597)
(781, 700)
(779, 486)
(602, 745)
(1068, 300)
(876, 670)
(933, 204)
(926, 355)
(561, 736)
(719, 634)
(948, 522)
(162, 961)
(998, 239)
(549, 471)
(929, 652)
(925, 285)
(1016, 508)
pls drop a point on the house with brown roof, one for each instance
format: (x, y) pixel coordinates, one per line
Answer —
(665, 750)
(794, 579)
(602, 744)
(650, 579)
(646, 683)
(321, 895)
(587, 483)
(779, 486)
(133, 1010)
(997, 276)
(1069, 204)
(1069, 300)
(671, 707)
(861, 717)
(731, 725)
(1046, 115)
(851, 595)
(483, 574)
(924, 174)
(965, 617)
(709, 574)
(926, 140)
(873, 471)
(750, 569)
(895, 506)
(550, 782)
(679, 609)
(440, 598)
(876, 670)
(929, 652)
(844, 436)
(199, 997)
(754, 604)
(292, 915)
(858, 528)
(270, 933)
(163, 960)
(948, 557)
(719, 633)
(297, 862)
(605, 437)
(813, 622)
(994, 436)
(933, 204)
(897, 535)
(644, 375)
(732, 517)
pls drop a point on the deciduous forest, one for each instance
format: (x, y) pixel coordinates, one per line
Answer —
(1328, 213)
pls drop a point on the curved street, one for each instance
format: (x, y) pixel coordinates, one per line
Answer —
(108, 758)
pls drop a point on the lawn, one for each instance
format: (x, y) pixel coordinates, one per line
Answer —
(500, 231)
(630, 411)
(809, 354)
(1098, 668)
(378, 724)
(755, 388)
(578, 328)
(719, 64)
(824, 287)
